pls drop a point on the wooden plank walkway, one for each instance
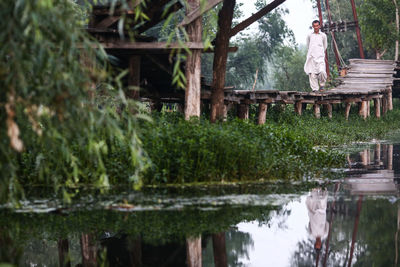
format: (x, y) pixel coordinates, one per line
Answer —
(366, 80)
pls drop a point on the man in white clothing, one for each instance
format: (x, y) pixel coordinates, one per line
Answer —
(315, 63)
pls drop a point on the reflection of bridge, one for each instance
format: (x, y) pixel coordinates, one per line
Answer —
(374, 173)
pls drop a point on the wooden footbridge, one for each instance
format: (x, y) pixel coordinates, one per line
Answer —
(366, 80)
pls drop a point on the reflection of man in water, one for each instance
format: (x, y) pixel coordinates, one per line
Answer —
(316, 205)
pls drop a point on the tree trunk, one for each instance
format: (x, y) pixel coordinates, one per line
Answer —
(225, 17)
(396, 54)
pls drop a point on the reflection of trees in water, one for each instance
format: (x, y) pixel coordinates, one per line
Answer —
(237, 247)
(375, 240)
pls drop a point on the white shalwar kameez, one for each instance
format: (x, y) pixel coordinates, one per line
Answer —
(316, 205)
(315, 63)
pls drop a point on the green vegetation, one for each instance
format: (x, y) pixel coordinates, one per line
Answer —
(198, 151)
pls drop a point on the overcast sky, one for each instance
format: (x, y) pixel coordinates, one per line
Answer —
(300, 16)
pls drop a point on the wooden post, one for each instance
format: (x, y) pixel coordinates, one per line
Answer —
(377, 105)
(390, 100)
(329, 107)
(225, 112)
(317, 111)
(193, 65)
(298, 107)
(384, 104)
(363, 109)
(262, 113)
(193, 251)
(243, 111)
(219, 249)
(347, 110)
(134, 76)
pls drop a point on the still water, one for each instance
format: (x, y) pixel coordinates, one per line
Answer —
(352, 219)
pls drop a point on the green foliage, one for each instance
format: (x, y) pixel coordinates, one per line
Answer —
(197, 151)
(377, 19)
(288, 65)
(47, 74)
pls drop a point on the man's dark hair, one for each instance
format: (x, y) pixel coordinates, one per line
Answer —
(316, 21)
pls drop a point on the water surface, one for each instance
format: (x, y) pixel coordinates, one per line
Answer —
(260, 224)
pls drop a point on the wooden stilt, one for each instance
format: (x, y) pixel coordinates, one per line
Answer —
(134, 76)
(329, 107)
(368, 108)
(317, 111)
(363, 110)
(193, 251)
(390, 100)
(243, 111)
(225, 115)
(298, 106)
(347, 110)
(262, 113)
(384, 104)
(377, 105)
(193, 65)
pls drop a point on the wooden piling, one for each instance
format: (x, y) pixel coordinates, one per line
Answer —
(298, 108)
(262, 113)
(363, 109)
(377, 105)
(317, 111)
(243, 111)
(329, 108)
(384, 104)
(347, 110)
(390, 100)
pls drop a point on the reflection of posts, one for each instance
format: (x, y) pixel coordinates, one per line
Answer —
(390, 157)
(88, 249)
(316, 205)
(193, 251)
(219, 249)
(63, 253)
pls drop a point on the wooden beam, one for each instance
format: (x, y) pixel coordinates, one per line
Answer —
(196, 13)
(390, 100)
(247, 22)
(107, 22)
(151, 45)
(262, 113)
